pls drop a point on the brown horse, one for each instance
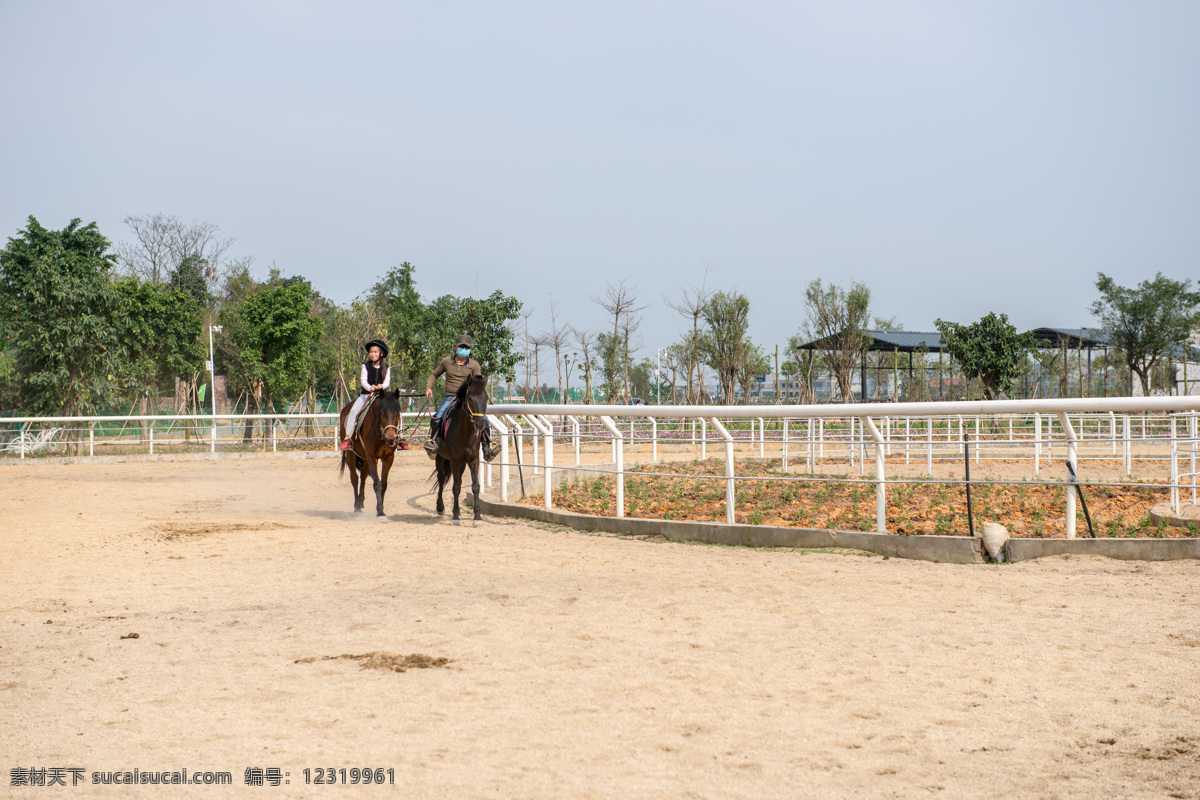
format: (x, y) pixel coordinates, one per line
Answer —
(460, 446)
(373, 448)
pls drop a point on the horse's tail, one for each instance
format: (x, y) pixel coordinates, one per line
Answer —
(342, 468)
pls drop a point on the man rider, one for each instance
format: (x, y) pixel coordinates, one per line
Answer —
(457, 368)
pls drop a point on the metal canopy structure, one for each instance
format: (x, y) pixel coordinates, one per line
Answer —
(891, 341)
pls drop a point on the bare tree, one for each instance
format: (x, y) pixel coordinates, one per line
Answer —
(586, 339)
(621, 302)
(165, 242)
(691, 306)
(527, 341)
(556, 338)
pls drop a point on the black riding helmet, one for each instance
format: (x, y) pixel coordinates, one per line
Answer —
(383, 348)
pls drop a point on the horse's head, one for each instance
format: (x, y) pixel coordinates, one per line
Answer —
(390, 421)
(474, 395)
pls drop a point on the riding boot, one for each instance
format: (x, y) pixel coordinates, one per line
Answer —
(490, 448)
(435, 439)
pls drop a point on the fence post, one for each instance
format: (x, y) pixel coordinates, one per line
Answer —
(762, 438)
(1126, 446)
(880, 491)
(729, 492)
(504, 439)
(542, 425)
(654, 440)
(703, 439)
(1174, 468)
(150, 436)
(1072, 456)
(929, 446)
(619, 446)
(575, 435)
(1112, 429)
(785, 443)
(92, 442)
(1192, 438)
(1037, 443)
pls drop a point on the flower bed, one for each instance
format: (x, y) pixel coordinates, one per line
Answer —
(811, 501)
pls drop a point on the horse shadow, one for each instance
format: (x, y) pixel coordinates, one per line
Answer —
(350, 516)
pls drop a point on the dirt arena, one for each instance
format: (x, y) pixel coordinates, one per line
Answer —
(579, 665)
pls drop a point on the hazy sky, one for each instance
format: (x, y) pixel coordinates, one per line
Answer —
(958, 157)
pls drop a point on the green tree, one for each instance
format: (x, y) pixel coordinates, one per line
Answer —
(990, 350)
(723, 342)
(1148, 322)
(275, 333)
(420, 335)
(837, 320)
(57, 302)
(159, 330)
(754, 362)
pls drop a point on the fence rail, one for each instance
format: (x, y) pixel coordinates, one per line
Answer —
(1132, 429)
(858, 431)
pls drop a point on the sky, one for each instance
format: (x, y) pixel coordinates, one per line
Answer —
(958, 158)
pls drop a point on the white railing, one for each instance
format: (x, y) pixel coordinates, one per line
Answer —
(1102, 427)
(31, 436)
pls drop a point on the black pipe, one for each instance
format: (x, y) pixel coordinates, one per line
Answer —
(967, 465)
(1079, 491)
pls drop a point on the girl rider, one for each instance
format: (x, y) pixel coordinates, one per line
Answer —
(375, 376)
(457, 368)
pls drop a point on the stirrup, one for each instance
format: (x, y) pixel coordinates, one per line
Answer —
(431, 445)
(490, 451)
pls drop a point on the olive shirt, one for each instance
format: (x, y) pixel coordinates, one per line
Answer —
(455, 373)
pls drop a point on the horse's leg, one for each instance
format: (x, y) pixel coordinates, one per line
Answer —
(443, 472)
(458, 471)
(373, 467)
(475, 487)
(360, 491)
(385, 466)
(348, 458)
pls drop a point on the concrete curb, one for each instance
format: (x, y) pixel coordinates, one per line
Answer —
(944, 549)
(1122, 549)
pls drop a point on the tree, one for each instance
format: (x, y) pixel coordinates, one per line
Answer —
(1148, 322)
(727, 319)
(57, 302)
(556, 339)
(586, 339)
(754, 362)
(621, 302)
(159, 333)
(691, 306)
(164, 242)
(990, 350)
(423, 334)
(837, 320)
(274, 330)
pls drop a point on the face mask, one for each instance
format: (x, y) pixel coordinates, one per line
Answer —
(463, 352)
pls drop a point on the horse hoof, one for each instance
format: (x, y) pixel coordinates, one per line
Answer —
(382, 518)
(456, 522)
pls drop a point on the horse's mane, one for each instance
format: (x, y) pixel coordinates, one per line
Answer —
(472, 385)
(388, 402)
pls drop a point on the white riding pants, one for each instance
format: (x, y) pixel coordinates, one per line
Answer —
(355, 410)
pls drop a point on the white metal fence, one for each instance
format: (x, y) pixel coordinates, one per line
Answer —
(1132, 430)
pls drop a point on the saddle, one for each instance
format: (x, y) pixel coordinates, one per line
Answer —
(362, 416)
(449, 415)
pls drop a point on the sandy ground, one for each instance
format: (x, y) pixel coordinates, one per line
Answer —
(581, 665)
